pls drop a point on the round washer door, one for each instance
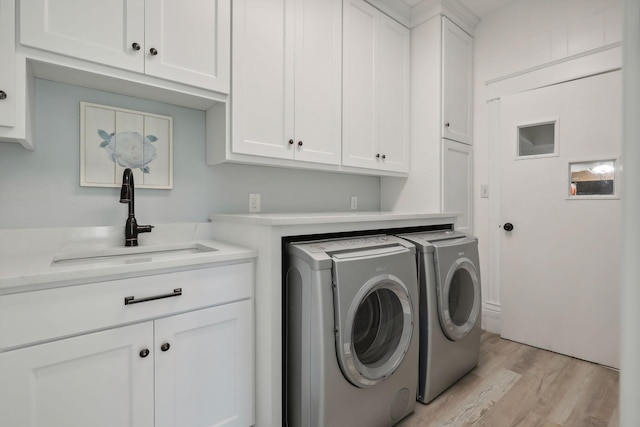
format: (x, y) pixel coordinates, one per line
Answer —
(377, 331)
(459, 299)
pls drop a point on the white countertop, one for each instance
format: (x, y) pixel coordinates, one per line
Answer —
(278, 219)
(27, 255)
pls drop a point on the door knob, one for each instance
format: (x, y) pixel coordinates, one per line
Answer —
(507, 226)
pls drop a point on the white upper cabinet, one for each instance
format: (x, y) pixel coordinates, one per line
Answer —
(186, 41)
(376, 89)
(457, 83)
(287, 60)
(8, 63)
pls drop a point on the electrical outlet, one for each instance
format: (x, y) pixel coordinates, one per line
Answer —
(254, 203)
(484, 191)
(354, 203)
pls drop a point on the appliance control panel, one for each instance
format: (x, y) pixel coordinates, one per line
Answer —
(349, 243)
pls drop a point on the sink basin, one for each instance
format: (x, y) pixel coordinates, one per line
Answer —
(130, 255)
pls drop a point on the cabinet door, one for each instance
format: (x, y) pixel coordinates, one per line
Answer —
(8, 63)
(457, 83)
(457, 182)
(394, 95)
(192, 39)
(318, 80)
(262, 86)
(205, 375)
(360, 134)
(97, 380)
(101, 31)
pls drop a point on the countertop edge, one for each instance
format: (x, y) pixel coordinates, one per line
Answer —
(325, 218)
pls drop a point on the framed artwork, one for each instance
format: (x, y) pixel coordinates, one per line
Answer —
(112, 139)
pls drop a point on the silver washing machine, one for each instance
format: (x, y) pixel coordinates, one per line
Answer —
(351, 332)
(450, 308)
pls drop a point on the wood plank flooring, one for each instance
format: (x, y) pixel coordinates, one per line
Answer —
(517, 385)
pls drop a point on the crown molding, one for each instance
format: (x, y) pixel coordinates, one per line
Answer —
(452, 9)
(397, 9)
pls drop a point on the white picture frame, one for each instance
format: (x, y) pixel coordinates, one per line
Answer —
(113, 139)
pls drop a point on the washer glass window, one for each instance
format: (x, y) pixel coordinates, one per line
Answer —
(459, 300)
(378, 331)
(461, 297)
(377, 327)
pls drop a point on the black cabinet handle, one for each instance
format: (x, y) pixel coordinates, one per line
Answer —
(377, 155)
(132, 300)
(447, 124)
(384, 156)
(3, 94)
(144, 352)
(299, 143)
(507, 226)
(165, 347)
(153, 51)
(135, 46)
(291, 142)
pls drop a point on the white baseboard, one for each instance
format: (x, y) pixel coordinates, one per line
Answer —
(491, 320)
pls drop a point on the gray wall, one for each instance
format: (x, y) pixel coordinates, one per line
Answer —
(41, 188)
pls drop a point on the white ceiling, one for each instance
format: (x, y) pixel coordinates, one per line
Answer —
(480, 8)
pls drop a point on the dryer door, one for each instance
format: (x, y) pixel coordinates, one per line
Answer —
(459, 299)
(374, 312)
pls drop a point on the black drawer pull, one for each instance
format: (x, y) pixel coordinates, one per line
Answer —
(132, 300)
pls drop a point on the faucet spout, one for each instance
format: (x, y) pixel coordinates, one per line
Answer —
(131, 228)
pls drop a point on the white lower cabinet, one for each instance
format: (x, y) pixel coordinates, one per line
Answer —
(201, 377)
(97, 380)
(191, 369)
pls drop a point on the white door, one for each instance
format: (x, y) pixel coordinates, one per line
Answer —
(559, 266)
(103, 379)
(192, 39)
(204, 367)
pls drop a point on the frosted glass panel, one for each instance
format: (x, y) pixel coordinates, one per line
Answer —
(535, 140)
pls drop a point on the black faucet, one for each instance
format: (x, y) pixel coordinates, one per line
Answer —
(131, 228)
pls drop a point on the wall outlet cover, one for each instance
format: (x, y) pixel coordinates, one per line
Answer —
(254, 203)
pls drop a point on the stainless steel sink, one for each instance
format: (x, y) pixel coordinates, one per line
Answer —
(129, 255)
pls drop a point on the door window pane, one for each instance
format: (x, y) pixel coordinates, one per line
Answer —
(595, 178)
(537, 139)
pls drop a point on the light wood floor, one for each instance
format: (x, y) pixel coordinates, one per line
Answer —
(518, 385)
